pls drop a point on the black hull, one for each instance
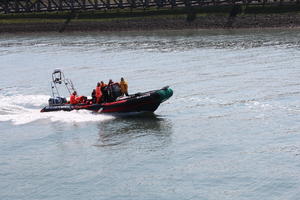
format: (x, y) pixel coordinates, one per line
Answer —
(141, 102)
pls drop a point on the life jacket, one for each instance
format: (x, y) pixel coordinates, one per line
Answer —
(80, 99)
(98, 92)
(124, 87)
(73, 99)
(103, 85)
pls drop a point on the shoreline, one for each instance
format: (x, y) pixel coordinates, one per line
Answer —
(150, 23)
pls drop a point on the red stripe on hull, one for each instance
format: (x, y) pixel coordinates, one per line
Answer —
(113, 103)
(126, 108)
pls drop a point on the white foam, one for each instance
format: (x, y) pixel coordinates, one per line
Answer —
(18, 109)
(76, 116)
(34, 100)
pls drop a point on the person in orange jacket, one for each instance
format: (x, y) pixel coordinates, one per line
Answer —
(74, 99)
(98, 93)
(124, 87)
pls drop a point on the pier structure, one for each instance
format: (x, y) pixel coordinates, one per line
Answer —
(29, 6)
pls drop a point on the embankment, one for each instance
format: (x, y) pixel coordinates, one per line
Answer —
(174, 19)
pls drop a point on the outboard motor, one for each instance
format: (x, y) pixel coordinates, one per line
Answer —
(56, 101)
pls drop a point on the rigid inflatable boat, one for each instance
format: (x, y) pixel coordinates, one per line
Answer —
(139, 102)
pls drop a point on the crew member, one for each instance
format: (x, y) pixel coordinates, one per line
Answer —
(124, 87)
(98, 93)
(94, 96)
(103, 85)
(112, 90)
(110, 82)
(104, 91)
(109, 91)
(74, 98)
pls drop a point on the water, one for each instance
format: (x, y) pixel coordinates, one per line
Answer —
(230, 131)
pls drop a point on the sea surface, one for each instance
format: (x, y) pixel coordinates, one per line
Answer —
(231, 130)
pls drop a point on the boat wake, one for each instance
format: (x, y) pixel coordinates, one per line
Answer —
(24, 109)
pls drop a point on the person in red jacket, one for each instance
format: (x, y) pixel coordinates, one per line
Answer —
(98, 93)
(74, 98)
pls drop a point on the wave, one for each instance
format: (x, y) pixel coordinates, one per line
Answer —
(24, 109)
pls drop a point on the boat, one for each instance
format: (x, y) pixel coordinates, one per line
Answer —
(140, 102)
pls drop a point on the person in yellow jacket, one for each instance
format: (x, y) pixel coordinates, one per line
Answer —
(124, 87)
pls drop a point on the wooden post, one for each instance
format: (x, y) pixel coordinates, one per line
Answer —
(72, 4)
(16, 6)
(38, 5)
(83, 5)
(49, 5)
(96, 4)
(27, 5)
(60, 5)
(6, 8)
